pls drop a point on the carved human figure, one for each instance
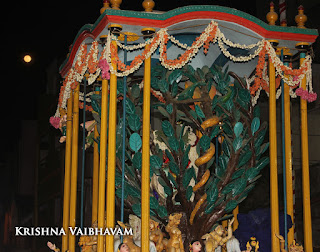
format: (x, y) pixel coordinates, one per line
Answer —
(195, 246)
(217, 237)
(123, 247)
(156, 235)
(175, 243)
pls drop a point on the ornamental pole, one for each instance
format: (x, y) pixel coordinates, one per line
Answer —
(74, 167)
(288, 150)
(112, 147)
(95, 174)
(66, 192)
(145, 170)
(102, 167)
(274, 201)
(305, 159)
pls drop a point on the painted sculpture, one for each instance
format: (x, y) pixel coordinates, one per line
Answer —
(53, 247)
(123, 247)
(217, 237)
(175, 242)
(195, 246)
(252, 245)
(294, 247)
(156, 235)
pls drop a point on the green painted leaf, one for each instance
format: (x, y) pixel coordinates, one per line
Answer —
(223, 161)
(174, 89)
(244, 158)
(119, 193)
(155, 162)
(189, 192)
(136, 208)
(173, 143)
(227, 128)
(205, 142)
(251, 173)
(135, 91)
(226, 148)
(187, 176)
(167, 190)
(244, 95)
(134, 122)
(214, 102)
(130, 108)
(255, 125)
(237, 143)
(169, 108)
(137, 160)
(154, 204)
(171, 178)
(174, 167)
(163, 111)
(169, 155)
(262, 163)
(133, 191)
(175, 76)
(232, 204)
(212, 194)
(163, 86)
(199, 112)
(237, 129)
(215, 131)
(238, 173)
(263, 149)
(239, 186)
(162, 212)
(167, 128)
(185, 157)
(161, 181)
(209, 208)
(135, 142)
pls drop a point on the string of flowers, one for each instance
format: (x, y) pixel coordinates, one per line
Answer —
(89, 61)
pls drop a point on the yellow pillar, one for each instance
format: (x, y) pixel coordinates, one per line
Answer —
(235, 224)
(74, 167)
(111, 156)
(145, 170)
(274, 201)
(103, 158)
(288, 152)
(305, 167)
(95, 176)
(66, 192)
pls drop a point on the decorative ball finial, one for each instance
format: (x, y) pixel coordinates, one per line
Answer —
(115, 4)
(105, 6)
(272, 16)
(148, 5)
(283, 22)
(301, 18)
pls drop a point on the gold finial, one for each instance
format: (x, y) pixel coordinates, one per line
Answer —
(272, 16)
(301, 18)
(105, 6)
(283, 22)
(115, 4)
(148, 5)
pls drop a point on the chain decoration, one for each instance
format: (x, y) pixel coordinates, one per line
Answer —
(88, 62)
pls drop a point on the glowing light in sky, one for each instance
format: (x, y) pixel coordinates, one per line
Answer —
(27, 58)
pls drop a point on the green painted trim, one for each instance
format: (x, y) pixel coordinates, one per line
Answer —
(194, 8)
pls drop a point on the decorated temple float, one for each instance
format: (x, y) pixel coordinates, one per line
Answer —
(192, 144)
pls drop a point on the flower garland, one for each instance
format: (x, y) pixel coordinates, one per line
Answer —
(88, 61)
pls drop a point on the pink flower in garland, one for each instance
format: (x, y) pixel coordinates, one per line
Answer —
(55, 121)
(104, 66)
(312, 97)
(304, 94)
